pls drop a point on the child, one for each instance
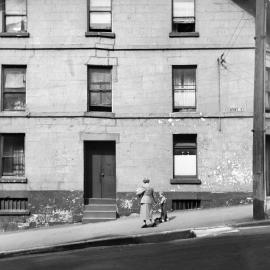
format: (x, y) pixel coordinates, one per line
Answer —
(163, 206)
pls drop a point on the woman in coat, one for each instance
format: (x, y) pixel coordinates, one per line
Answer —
(147, 200)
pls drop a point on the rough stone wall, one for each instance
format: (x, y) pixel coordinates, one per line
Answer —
(55, 207)
(48, 207)
(128, 203)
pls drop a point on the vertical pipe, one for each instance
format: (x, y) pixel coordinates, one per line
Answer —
(259, 190)
(219, 95)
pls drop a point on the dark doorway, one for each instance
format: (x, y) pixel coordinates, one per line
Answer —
(99, 166)
(267, 164)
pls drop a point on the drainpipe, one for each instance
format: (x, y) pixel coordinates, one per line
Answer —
(219, 93)
(259, 185)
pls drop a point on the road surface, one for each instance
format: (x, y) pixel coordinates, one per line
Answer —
(248, 249)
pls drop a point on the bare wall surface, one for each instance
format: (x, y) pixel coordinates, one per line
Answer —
(142, 80)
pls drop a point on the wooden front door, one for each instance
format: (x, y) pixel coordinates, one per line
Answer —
(99, 169)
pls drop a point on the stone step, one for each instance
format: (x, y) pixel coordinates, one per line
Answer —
(100, 207)
(99, 214)
(99, 210)
(99, 201)
(94, 220)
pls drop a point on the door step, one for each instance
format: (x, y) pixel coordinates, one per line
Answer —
(99, 210)
(100, 207)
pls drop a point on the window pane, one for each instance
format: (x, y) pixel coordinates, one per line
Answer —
(100, 79)
(178, 75)
(14, 165)
(14, 78)
(16, 7)
(106, 99)
(13, 155)
(101, 5)
(267, 101)
(184, 140)
(14, 101)
(100, 75)
(189, 77)
(15, 24)
(184, 78)
(100, 20)
(184, 87)
(8, 146)
(185, 165)
(184, 98)
(183, 8)
(101, 86)
(267, 80)
(18, 161)
(7, 166)
(185, 151)
(95, 99)
(100, 99)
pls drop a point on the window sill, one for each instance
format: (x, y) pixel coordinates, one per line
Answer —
(13, 180)
(14, 212)
(186, 181)
(100, 34)
(186, 114)
(15, 35)
(183, 34)
(13, 113)
(185, 110)
(99, 114)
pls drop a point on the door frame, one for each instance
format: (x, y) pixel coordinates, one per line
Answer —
(267, 168)
(88, 137)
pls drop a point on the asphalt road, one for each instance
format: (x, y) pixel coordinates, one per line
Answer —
(248, 249)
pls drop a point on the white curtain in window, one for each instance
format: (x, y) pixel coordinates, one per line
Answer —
(189, 77)
(104, 5)
(14, 7)
(100, 19)
(267, 79)
(185, 98)
(185, 165)
(15, 80)
(16, 24)
(183, 8)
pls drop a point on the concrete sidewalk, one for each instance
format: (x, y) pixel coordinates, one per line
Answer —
(124, 230)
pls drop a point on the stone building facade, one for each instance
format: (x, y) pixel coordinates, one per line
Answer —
(57, 46)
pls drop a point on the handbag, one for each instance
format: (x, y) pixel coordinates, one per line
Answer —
(140, 191)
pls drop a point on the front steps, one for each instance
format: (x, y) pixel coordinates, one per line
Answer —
(98, 210)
